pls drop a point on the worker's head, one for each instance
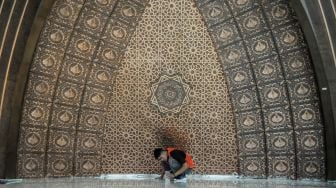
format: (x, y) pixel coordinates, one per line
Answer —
(160, 154)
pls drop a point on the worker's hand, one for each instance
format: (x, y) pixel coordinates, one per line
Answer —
(159, 178)
(170, 176)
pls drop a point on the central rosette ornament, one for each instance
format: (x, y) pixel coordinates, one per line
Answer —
(170, 93)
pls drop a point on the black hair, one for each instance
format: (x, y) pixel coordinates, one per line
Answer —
(157, 152)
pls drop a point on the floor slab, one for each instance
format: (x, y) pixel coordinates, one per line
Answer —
(150, 181)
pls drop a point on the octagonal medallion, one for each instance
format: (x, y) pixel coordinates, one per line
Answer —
(170, 93)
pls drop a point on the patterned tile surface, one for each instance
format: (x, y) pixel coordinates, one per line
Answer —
(70, 85)
(204, 126)
(266, 35)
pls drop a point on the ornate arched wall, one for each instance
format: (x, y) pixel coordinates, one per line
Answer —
(262, 53)
(73, 74)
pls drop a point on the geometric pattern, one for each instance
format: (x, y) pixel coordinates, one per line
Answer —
(170, 93)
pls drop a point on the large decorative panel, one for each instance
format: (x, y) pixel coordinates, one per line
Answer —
(32, 139)
(70, 85)
(311, 167)
(59, 165)
(40, 87)
(296, 63)
(88, 165)
(280, 143)
(251, 22)
(29, 165)
(215, 11)
(35, 113)
(65, 12)
(91, 21)
(251, 144)
(266, 61)
(170, 90)
(64, 117)
(245, 99)
(225, 33)
(61, 141)
(253, 166)
(239, 77)
(74, 69)
(55, 36)
(281, 166)
(232, 55)
(47, 61)
(267, 70)
(249, 121)
(277, 118)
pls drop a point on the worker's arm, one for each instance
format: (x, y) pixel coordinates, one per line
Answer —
(163, 170)
(162, 174)
(181, 170)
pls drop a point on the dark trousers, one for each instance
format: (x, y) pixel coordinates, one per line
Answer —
(172, 166)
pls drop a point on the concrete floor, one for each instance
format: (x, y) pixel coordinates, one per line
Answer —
(149, 181)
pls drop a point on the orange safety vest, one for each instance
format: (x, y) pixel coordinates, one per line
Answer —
(188, 158)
